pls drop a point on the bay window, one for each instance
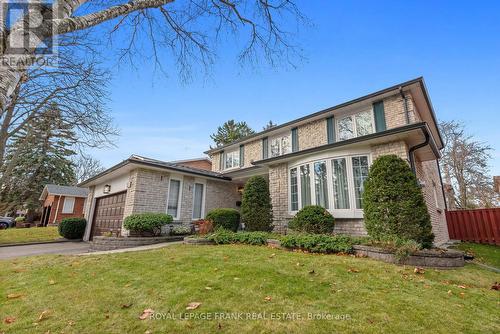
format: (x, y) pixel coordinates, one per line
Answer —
(280, 145)
(338, 184)
(360, 124)
(232, 159)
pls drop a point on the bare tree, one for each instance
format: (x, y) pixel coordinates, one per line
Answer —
(465, 166)
(86, 167)
(189, 29)
(79, 88)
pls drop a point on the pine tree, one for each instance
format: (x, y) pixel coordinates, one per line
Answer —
(38, 155)
(231, 131)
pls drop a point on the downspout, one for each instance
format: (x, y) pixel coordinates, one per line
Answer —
(411, 151)
(442, 188)
(405, 105)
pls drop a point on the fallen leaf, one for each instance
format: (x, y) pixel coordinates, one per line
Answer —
(236, 278)
(272, 255)
(52, 282)
(44, 315)
(71, 323)
(148, 332)
(462, 286)
(9, 320)
(14, 295)
(353, 270)
(462, 294)
(226, 258)
(128, 284)
(208, 288)
(495, 286)
(126, 305)
(311, 271)
(193, 306)
(219, 326)
(146, 314)
(268, 298)
(418, 270)
(298, 264)
(449, 292)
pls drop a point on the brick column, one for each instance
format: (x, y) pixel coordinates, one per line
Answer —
(278, 189)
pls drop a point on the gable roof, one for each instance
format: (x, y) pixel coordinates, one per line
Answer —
(149, 162)
(323, 113)
(55, 189)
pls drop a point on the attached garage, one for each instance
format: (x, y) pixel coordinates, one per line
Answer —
(108, 215)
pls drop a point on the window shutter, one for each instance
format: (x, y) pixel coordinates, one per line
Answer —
(221, 161)
(379, 115)
(295, 139)
(265, 148)
(242, 155)
(330, 129)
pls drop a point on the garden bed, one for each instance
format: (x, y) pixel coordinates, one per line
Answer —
(101, 243)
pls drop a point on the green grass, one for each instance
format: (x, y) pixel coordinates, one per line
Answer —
(487, 254)
(85, 294)
(32, 234)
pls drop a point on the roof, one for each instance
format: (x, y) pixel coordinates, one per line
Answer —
(55, 189)
(190, 160)
(149, 162)
(419, 81)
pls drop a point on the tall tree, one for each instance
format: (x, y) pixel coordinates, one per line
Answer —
(188, 30)
(86, 167)
(465, 166)
(39, 155)
(231, 131)
(269, 125)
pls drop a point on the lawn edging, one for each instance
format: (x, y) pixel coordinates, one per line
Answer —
(101, 243)
(61, 240)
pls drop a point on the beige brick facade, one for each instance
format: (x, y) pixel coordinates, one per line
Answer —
(221, 194)
(253, 152)
(278, 189)
(312, 134)
(398, 148)
(395, 111)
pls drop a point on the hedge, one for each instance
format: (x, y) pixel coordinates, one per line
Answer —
(147, 222)
(313, 219)
(256, 208)
(228, 219)
(224, 237)
(319, 243)
(72, 228)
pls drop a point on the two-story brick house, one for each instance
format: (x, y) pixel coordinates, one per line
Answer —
(322, 158)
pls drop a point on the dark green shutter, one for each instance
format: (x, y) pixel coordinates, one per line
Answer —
(242, 155)
(379, 115)
(295, 140)
(265, 148)
(330, 129)
(221, 161)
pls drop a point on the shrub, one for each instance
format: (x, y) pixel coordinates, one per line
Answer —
(204, 226)
(72, 228)
(223, 236)
(401, 248)
(20, 219)
(256, 208)
(147, 222)
(228, 219)
(394, 206)
(319, 243)
(181, 230)
(313, 219)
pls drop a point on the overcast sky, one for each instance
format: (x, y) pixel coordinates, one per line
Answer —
(354, 48)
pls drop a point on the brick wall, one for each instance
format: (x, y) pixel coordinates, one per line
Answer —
(278, 189)
(427, 171)
(253, 152)
(215, 162)
(398, 148)
(221, 194)
(395, 112)
(312, 134)
(56, 212)
(354, 227)
(200, 164)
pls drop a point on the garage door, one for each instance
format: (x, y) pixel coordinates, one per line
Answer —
(108, 214)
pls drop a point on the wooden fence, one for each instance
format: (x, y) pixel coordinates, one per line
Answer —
(479, 225)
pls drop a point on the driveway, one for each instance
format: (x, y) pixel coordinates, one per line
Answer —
(50, 248)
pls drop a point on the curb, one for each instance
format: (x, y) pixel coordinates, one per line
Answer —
(41, 242)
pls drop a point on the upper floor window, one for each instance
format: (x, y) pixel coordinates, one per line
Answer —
(280, 145)
(232, 159)
(356, 125)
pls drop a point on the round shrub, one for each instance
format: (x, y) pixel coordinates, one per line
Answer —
(72, 228)
(147, 222)
(256, 209)
(313, 219)
(228, 219)
(20, 219)
(394, 206)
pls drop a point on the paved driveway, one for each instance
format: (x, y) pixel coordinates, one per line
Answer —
(51, 248)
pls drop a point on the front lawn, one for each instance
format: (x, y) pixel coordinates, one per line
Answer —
(108, 293)
(32, 234)
(487, 254)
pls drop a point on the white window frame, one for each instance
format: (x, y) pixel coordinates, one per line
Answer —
(354, 128)
(352, 212)
(203, 198)
(280, 137)
(179, 201)
(236, 153)
(65, 208)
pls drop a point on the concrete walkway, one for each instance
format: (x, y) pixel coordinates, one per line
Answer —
(64, 248)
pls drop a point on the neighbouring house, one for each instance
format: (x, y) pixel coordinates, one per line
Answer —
(59, 202)
(322, 158)
(200, 163)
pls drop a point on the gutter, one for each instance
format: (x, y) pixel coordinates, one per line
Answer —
(411, 151)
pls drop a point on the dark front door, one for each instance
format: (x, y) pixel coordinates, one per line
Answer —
(108, 215)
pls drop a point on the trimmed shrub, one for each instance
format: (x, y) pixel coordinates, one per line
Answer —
(147, 222)
(181, 230)
(319, 243)
(313, 219)
(228, 219)
(256, 208)
(72, 228)
(224, 237)
(394, 206)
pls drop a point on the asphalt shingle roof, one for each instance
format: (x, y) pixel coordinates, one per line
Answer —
(67, 190)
